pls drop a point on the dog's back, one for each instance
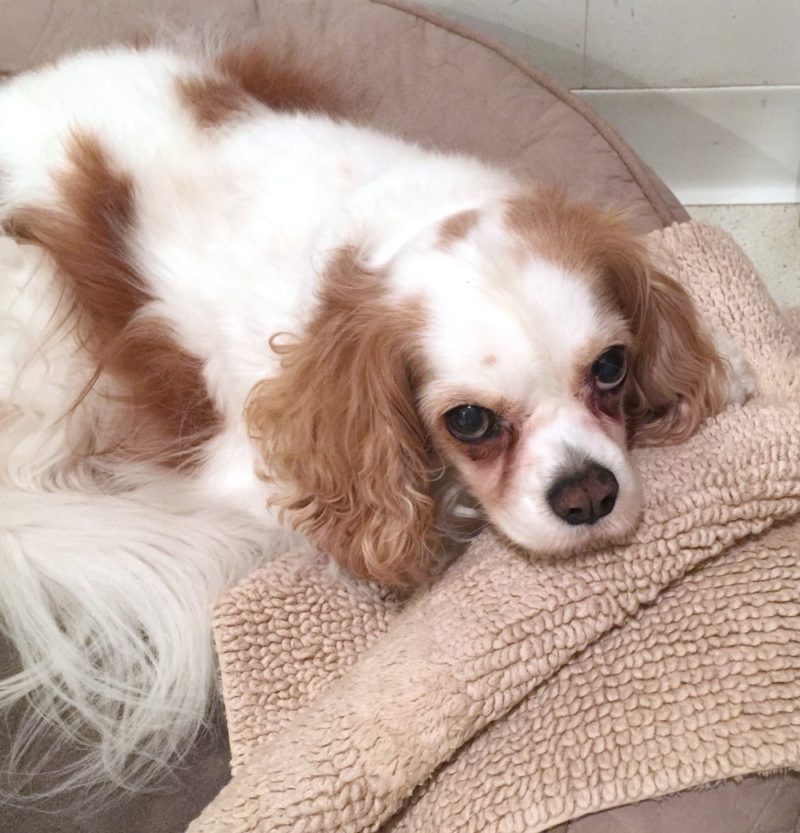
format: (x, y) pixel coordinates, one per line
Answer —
(224, 297)
(165, 214)
(112, 548)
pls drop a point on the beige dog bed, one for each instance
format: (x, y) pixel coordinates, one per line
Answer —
(516, 694)
(429, 79)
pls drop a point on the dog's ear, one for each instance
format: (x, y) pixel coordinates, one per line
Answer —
(678, 378)
(339, 433)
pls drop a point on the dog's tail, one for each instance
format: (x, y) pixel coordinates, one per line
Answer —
(108, 571)
(105, 601)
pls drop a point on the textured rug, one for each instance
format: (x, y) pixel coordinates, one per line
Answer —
(515, 694)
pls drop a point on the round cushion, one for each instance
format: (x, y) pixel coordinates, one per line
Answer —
(403, 69)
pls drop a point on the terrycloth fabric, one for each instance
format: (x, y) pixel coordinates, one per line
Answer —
(515, 694)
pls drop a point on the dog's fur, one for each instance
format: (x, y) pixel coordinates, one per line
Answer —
(228, 308)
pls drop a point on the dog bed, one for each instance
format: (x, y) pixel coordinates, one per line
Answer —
(408, 71)
(518, 693)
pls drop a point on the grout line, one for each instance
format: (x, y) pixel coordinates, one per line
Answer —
(584, 60)
(749, 87)
(742, 205)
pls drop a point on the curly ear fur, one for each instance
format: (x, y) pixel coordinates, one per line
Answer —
(678, 378)
(339, 433)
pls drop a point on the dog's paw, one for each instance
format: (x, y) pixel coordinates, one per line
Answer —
(742, 379)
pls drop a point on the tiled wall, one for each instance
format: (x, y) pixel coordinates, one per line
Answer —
(707, 91)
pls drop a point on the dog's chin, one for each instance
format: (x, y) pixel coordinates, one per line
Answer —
(575, 545)
(550, 538)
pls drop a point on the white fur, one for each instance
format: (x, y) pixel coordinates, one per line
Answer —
(234, 227)
(533, 318)
(86, 570)
(742, 380)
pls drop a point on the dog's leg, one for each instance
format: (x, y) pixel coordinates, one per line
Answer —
(742, 381)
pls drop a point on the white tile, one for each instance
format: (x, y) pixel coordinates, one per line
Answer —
(692, 43)
(713, 146)
(549, 33)
(770, 235)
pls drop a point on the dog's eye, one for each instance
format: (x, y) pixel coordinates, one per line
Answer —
(471, 423)
(610, 368)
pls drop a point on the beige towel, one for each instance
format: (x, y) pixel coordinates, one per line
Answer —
(516, 694)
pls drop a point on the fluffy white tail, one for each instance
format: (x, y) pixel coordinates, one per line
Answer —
(105, 596)
(108, 572)
(107, 601)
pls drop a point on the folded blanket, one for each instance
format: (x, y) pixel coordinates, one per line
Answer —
(516, 693)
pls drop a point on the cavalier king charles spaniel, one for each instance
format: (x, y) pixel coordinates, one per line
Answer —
(227, 310)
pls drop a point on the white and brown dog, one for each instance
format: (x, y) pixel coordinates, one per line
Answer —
(226, 309)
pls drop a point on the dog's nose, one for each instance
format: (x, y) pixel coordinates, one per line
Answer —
(584, 496)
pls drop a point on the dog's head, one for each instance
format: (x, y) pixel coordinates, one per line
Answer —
(522, 345)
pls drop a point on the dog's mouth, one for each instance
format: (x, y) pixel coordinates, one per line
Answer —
(583, 511)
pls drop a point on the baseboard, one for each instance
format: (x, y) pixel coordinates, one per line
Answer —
(716, 146)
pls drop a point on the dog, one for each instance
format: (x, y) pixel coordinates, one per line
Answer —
(230, 311)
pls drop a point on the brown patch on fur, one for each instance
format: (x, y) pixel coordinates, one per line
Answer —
(677, 379)
(248, 76)
(572, 235)
(213, 101)
(16, 226)
(456, 227)
(490, 360)
(339, 432)
(278, 81)
(170, 411)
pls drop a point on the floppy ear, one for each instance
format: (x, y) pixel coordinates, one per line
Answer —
(678, 378)
(339, 434)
